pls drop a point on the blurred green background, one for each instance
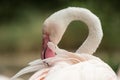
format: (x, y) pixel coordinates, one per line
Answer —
(21, 23)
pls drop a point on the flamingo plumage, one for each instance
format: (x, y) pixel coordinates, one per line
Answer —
(59, 64)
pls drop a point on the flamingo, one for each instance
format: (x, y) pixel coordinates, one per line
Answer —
(60, 64)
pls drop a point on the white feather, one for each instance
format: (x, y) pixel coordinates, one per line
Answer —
(28, 70)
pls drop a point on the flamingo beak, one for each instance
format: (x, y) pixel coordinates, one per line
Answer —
(46, 51)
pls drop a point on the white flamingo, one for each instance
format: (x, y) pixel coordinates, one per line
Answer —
(66, 65)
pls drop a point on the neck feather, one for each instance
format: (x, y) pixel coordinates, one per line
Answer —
(61, 19)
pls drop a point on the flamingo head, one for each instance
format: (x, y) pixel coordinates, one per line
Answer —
(46, 51)
(52, 32)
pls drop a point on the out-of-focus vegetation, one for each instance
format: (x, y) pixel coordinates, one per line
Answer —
(21, 24)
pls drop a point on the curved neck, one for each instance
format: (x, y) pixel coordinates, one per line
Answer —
(61, 19)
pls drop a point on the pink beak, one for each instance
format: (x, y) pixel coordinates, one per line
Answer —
(46, 51)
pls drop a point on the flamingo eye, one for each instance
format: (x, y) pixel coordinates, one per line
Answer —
(46, 63)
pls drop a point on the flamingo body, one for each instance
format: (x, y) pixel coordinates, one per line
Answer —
(71, 66)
